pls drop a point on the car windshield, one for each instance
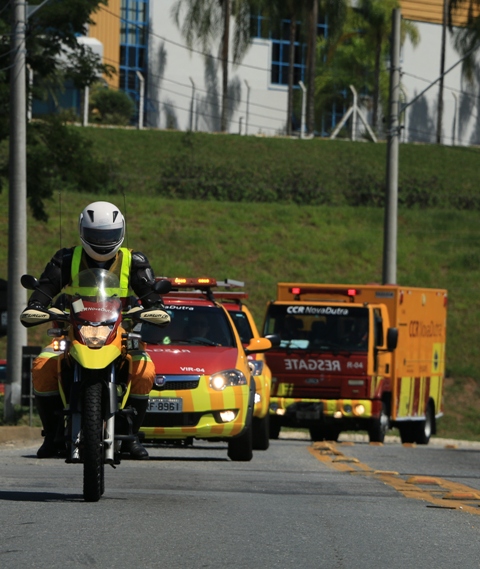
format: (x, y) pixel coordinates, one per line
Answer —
(242, 325)
(319, 328)
(201, 325)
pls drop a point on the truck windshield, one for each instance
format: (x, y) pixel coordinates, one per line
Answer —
(313, 327)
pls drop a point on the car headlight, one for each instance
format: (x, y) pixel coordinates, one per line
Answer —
(95, 336)
(256, 367)
(227, 378)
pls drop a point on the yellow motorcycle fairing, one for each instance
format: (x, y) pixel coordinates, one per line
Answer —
(96, 358)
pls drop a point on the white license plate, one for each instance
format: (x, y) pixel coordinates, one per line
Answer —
(308, 415)
(167, 405)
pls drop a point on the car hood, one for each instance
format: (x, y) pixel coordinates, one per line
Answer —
(180, 360)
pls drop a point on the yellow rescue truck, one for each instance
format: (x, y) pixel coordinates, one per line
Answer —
(357, 357)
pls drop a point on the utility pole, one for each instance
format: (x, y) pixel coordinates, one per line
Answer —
(393, 137)
(304, 107)
(442, 73)
(17, 213)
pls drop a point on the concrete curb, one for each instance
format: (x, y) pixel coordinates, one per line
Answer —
(20, 436)
(25, 436)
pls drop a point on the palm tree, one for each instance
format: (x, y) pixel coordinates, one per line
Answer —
(335, 13)
(355, 55)
(306, 11)
(204, 21)
(466, 38)
(277, 11)
(376, 23)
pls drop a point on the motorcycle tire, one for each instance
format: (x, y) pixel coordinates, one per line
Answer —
(93, 459)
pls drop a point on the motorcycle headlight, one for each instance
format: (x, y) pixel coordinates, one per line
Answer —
(227, 378)
(95, 336)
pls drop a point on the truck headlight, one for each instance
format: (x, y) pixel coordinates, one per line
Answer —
(359, 409)
(227, 378)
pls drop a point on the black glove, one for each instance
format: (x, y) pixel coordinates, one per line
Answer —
(31, 306)
(36, 305)
(153, 302)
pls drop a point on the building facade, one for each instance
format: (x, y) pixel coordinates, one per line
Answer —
(183, 86)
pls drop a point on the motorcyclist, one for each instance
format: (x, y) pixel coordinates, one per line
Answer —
(102, 231)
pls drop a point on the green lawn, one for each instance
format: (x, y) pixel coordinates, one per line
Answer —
(263, 243)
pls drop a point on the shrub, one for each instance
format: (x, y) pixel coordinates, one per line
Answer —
(108, 106)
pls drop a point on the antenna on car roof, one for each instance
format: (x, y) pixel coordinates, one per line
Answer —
(230, 283)
(125, 216)
(60, 215)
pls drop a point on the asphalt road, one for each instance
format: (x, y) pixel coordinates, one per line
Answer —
(302, 505)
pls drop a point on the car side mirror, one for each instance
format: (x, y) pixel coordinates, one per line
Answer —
(274, 339)
(258, 345)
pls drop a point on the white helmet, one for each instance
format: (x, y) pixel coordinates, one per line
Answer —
(102, 230)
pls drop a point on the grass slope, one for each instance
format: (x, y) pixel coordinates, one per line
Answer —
(262, 244)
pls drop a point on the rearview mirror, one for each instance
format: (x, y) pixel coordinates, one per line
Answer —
(29, 282)
(162, 286)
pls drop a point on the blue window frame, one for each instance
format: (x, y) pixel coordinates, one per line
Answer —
(133, 45)
(281, 46)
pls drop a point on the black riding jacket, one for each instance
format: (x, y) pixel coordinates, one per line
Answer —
(57, 275)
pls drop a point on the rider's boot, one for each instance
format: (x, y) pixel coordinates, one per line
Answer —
(48, 407)
(135, 448)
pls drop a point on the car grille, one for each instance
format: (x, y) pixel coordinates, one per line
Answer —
(176, 382)
(179, 385)
(317, 393)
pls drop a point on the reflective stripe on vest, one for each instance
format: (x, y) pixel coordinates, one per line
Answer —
(120, 267)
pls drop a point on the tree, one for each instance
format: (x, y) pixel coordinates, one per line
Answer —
(355, 55)
(303, 17)
(375, 23)
(203, 21)
(467, 37)
(277, 11)
(53, 52)
(335, 13)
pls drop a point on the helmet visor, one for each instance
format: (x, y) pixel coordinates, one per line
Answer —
(102, 237)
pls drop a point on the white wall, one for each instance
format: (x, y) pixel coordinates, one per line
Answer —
(172, 67)
(421, 67)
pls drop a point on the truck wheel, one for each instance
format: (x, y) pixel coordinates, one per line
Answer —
(274, 428)
(423, 429)
(379, 426)
(261, 432)
(240, 449)
(418, 431)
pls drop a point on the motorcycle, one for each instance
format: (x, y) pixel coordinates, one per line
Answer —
(90, 333)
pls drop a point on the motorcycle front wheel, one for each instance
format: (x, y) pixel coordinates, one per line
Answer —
(93, 459)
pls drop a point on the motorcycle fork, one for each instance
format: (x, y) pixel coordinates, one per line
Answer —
(75, 416)
(75, 431)
(110, 412)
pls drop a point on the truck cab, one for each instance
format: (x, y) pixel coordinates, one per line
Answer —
(336, 367)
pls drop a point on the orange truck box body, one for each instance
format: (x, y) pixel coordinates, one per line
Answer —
(349, 386)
